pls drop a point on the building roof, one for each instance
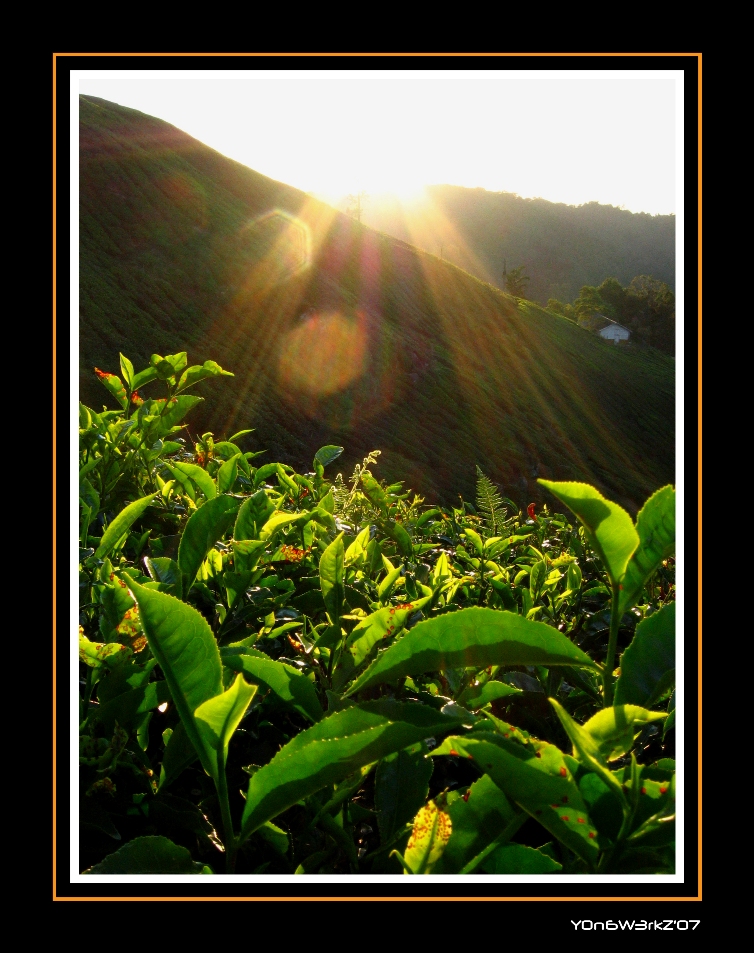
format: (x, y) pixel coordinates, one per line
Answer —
(608, 323)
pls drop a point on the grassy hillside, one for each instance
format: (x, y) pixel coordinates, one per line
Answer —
(340, 334)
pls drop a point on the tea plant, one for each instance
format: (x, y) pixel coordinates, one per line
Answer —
(287, 673)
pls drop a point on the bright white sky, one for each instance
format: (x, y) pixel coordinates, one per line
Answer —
(573, 136)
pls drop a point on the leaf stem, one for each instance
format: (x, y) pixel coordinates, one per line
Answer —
(229, 838)
(612, 645)
(502, 838)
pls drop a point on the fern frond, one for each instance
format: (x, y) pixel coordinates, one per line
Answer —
(340, 493)
(350, 503)
(489, 503)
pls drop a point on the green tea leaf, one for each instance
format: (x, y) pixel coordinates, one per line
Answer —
(478, 696)
(427, 516)
(115, 385)
(613, 729)
(429, 837)
(587, 749)
(173, 812)
(277, 839)
(474, 637)
(356, 552)
(192, 375)
(228, 474)
(287, 485)
(203, 529)
(183, 480)
(143, 377)
(656, 528)
(519, 859)
(333, 749)
(167, 571)
(286, 683)
(123, 678)
(504, 593)
(401, 785)
(475, 539)
(84, 483)
(127, 371)
(279, 519)
(327, 454)
(374, 492)
(148, 855)
(176, 411)
(321, 516)
(180, 753)
(552, 579)
(441, 571)
(327, 503)
(126, 707)
(121, 524)
(86, 420)
(608, 525)
(573, 577)
(506, 543)
(187, 653)
(537, 579)
(373, 558)
(670, 720)
(332, 577)
(198, 474)
(398, 533)
(169, 365)
(386, 586)
(239, 433)
(648, 664)
(477, 818)
(595, 591)
(606, 808)
(224, 450)
(114, 602)
(235, 584)
(536, 778)
(97, 654)
(385, 623)
(217, 719)
(247, 553)
(265, 471)
(253, 514)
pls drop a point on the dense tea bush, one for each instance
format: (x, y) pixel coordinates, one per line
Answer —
(286, 672)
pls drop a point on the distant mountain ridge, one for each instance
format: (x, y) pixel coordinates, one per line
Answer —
(340, 334)
(562, 247)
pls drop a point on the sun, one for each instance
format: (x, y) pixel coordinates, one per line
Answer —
(405, 188)
(370, 189)
(368, 177)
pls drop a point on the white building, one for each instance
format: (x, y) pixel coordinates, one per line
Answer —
(615, 332)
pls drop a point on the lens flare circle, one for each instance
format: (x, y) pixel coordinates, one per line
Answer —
(324, 354)
(281, 245)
